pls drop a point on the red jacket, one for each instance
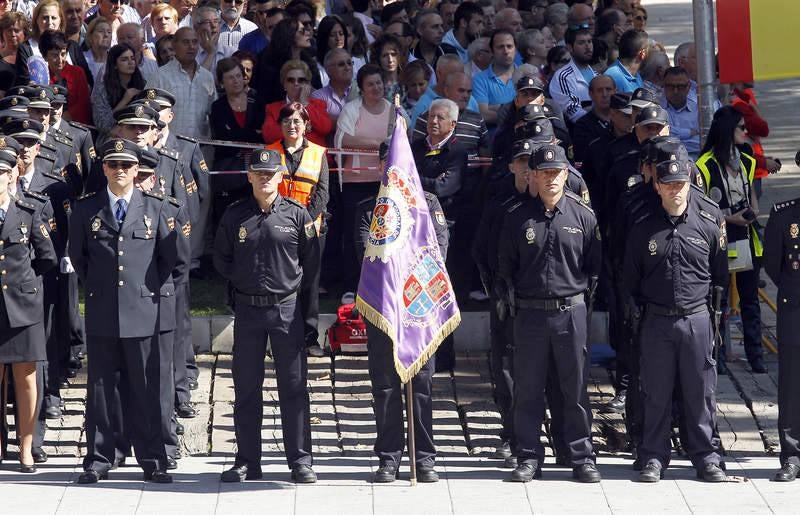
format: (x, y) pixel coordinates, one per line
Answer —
(757, 127)
(317, 111)
(79, 106)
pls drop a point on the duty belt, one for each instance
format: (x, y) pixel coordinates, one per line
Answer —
(557, 304)
(262, 301)
(674, 311)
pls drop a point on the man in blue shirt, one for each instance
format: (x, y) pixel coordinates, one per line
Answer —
(632, 52)
(266, 19)
(467, 25)
(684, 123)
(446, 65)
(493, 87)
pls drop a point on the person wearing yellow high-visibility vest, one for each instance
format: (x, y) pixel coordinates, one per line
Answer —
(306, 181)
(727, 174)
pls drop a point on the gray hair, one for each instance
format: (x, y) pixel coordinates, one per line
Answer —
(130, 25)
(556, 13)
(198, 11)
(651, 65)
(448, 105)
(331, 54)
(476, 44)
(525, 41)
(682, 52)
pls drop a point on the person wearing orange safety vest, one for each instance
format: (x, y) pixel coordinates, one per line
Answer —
(728, 175)
(306, 181)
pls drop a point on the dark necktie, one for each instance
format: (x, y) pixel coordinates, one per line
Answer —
(120, 212)
(23, 184)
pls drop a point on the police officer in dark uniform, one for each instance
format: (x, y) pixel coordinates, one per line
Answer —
(387, 392)
(782, 264)
(124, 249)
(265, 245)
(26, 252)
(549, 252)
(82, 152)
(673, 259)
(484, 252)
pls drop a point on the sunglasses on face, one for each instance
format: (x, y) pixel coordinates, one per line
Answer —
(296, 80)
(579, 26)
(741, 127)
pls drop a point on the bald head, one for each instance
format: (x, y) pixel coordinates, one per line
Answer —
(580, 14)
(458, 88)
(447, 64)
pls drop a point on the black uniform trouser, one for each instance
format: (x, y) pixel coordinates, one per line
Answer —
(143, 368)
(502, 370)
(789, 381)
(678, 349)
(283, 325)
(387, 393)
(167, 394)
(182, 347)
(69, 318)
(747, 286)
(58, 346)
(538, 335)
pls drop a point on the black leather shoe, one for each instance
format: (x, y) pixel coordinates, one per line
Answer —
(502, 451)
(75, 363)
(39, 456)
(171, 463)
(386, 473)
(526, 472)
(179, 430)
(617, 404)
(63, 383)
(303, 474)
(71, 373)
(186, 410)
(788, 472)
(651, 473)
(239, 473)
(427, 475)
(758, 367)
(52, 413)
(586, 473)
(509, 463)
(192, 384)
(158, 476)
(27, 469)
(90, 476)
(711, 473)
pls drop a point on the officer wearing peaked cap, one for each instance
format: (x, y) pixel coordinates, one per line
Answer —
(782, 264)
(83, 152)
(673, 259)
(25, 253)
(265, 246)
(124, 250)
(549, 252)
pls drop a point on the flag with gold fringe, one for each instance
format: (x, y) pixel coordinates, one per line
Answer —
(405, 290)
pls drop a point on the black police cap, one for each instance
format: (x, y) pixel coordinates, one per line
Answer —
(530, 112)
(669, 151)
(16, 103)
(39, 97)
(136, 115)
(643, 97)
(23, 128)
(60, 94)
(152, 104)
(673, 171)
(522, 147)
(530, 82)
(548, 157)
(9, 151)
(119, 149)
(266, 161)
(540, 131)
(653, 114)
(148, 160)
(160, 96)
(621, 102)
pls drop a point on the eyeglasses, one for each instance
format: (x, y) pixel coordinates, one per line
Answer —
(296, 80)
(741, 127)
(579, 26)
(292, 121)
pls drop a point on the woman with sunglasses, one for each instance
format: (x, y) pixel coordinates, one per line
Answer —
(727, 169)
(291, 40)
(296, 81)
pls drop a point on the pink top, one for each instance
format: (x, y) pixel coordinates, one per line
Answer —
(367, 126)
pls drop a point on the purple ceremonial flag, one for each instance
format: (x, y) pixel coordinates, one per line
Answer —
(404, 288)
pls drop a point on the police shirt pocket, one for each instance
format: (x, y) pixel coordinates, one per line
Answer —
(31, 286)
(143, 234)
(146, 292)
(168, 290)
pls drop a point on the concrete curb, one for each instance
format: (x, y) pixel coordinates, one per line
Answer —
(215, 333)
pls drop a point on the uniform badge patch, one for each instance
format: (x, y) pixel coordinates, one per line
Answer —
(45, 233)
(118, 146)
(67, 206)
(652, 246)
(203, 165)
(92, 153)
(311, 231)
(723, 236)
(698, 179)
(171, 223)
(242, 234)
(148, 224)
(24, 230)
(530, 235)
(187, 229)
(439, 216)
(95, 225)
(794, 231)
(52, 223)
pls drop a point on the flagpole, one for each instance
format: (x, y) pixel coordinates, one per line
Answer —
(412, 451)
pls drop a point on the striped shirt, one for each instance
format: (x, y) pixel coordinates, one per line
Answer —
(471, 130)
(232, 36)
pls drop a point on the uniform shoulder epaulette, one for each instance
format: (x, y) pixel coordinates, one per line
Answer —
(513, 207)
(703, 197)
(27, 205)
(153, 194)
(169, 153)
(295, 202)
(47, 146)
(78, 125)
(577, 198)
(238, 202)
(784, 205)
(175, 202)
(633, 180)
(642, 216)
(38, 196)
(185, 138)
(66, 139)
(87, 195)
(54, 175)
